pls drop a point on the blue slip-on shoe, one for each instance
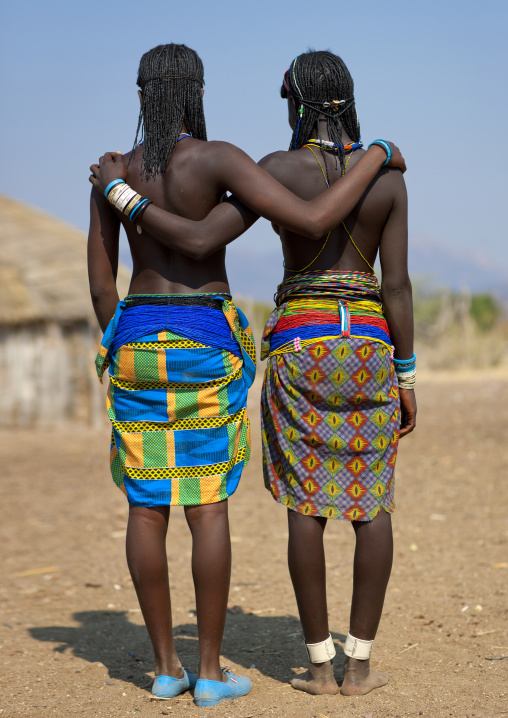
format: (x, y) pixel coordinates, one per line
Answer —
(209, 693)
(166, 687)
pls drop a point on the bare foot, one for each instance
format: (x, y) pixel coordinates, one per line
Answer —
(359, 679)
(318, 680)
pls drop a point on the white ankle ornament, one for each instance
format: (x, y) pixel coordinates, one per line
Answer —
(357, 648)
(321, 652)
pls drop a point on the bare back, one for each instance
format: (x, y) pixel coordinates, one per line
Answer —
(300, 172)
(188, 190)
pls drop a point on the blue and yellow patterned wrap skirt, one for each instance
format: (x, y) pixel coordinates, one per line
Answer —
(180, 367)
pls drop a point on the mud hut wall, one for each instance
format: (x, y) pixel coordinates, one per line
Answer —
(47, 375)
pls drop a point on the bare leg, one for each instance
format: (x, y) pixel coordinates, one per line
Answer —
(148, 565)
(306, 560)
(372, 567)
(211, 571)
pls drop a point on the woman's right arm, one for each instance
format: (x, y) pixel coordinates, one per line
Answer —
(231, 169)
(263, 194)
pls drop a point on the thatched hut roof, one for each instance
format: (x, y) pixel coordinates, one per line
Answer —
(43, 273)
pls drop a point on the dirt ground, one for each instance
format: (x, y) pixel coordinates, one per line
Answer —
(72, 640)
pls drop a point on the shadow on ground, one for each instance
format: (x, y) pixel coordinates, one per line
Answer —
(273, 645)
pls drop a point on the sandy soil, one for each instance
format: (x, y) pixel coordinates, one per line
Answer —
(72, 640)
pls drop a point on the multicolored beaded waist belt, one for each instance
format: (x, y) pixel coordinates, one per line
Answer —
(337, 304)
(348, 286)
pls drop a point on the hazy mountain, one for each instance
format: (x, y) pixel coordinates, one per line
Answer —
(449, 266)
(430, 263)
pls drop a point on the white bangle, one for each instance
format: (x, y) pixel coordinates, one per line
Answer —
(407, 379)
(124, 198)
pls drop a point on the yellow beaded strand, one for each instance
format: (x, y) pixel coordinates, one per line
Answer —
(328, 235)
(299, 271)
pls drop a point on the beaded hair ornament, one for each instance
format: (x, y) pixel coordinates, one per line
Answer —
(337, 107)
(333, 105)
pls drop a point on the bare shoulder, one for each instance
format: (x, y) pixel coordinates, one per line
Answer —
(388, 187)
(397, 186)
(391, 179)
(278, 164)
(274, 159)
(219, 148)
(128, 156)
(215, 153)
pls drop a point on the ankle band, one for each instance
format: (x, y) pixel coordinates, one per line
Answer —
(321, 652)
(357, 648)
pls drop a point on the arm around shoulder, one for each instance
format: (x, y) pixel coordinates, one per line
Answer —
(263, 189)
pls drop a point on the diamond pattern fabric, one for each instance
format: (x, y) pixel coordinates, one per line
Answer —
(330, 426)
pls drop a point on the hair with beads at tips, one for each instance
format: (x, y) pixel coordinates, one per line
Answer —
(171, 79)
(315, 78)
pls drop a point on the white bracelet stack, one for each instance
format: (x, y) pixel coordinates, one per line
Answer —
(406, 372)
(126, 200)
(407, 380)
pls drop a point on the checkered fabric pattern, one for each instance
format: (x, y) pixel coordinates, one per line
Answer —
(330, 428)
(180, 431)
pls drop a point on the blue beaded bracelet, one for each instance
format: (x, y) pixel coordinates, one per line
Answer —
(386, 147)
(403, 366)
(405, 372)
(399, 362)
(111, 185)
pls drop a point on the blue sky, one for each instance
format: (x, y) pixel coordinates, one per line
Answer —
(430, 76)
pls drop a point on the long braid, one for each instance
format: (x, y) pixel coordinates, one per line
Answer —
(171, 80)
(315, 78)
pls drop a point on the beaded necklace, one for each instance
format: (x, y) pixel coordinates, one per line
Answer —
(332, 147)
(181, 136)
(298, 271)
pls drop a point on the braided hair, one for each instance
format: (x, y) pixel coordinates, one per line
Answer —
(171, 80)
(316, 81)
